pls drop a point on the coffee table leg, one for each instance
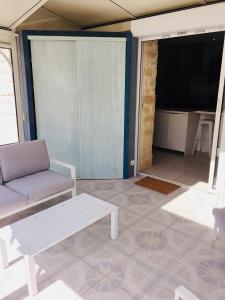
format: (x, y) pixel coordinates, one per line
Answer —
(3, 254)
(31, 276)
(114, 224)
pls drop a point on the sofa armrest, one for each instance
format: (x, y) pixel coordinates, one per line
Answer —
(72, 168)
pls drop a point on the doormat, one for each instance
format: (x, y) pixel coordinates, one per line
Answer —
(157, 185)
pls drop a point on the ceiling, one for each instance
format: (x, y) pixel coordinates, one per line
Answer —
(11, 11)
(87, 13)
(94, 12)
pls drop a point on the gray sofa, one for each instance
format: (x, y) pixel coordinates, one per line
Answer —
(26, 178)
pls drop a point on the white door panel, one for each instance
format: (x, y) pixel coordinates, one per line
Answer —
(102, 89)
(57, 104)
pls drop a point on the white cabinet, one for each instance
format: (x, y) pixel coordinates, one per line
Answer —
(174, 130)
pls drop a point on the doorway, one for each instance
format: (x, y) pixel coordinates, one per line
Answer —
(8, 114)
(180, 146)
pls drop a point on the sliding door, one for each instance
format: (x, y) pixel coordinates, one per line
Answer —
(79, 94)
(57, 105)
(102, 88)
(218, 119)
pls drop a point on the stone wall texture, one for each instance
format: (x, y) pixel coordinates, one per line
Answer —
(147, 103)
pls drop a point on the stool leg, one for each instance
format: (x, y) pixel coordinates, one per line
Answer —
(199, 141)
(210, 139)
(196, 138)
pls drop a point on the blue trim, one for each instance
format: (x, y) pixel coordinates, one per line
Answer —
(29, 80)
(26, 33)
(126, 163)
(29, 86)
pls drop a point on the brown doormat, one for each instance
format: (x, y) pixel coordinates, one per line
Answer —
(157, 185)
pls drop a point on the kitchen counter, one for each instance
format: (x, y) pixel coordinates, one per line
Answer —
(175, 129)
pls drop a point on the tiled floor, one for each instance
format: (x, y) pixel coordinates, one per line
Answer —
(188, 170)
(164, 241)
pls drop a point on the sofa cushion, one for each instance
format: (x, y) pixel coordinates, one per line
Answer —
(40, 185)
(21, 159)
(10, 200)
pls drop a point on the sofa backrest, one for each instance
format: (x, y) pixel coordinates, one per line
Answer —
(21, 159)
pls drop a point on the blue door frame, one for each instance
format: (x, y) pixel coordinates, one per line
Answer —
(127, 169)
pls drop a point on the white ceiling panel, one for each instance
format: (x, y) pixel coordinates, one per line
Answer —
(145, 7)
(87, 12)
(13, 10)
(40, 15)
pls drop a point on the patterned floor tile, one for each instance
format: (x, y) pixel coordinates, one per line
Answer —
(137, 200)
(81, 244)
(106, 294)
(81, 182)
(130, 241)
(161, 290)
(207, 240)
(105, 259)
(136, 277)
(164, 241)
(201, 269)
(102, 229)
(185, 225)
(53, 260)
(159, 249)
(105, 188)
(163, 217)
(78, 276)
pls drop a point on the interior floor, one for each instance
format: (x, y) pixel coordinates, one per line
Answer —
(174, 166)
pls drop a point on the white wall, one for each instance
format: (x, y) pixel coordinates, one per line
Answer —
(195, 19)
(123, 26)
(44, 20)
(5, 36)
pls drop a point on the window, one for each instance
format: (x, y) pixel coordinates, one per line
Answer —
(8, 115)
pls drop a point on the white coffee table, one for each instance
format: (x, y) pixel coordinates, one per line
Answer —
(42, 230)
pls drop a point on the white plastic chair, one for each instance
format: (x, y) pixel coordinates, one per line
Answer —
(207, 124)
(182, 293)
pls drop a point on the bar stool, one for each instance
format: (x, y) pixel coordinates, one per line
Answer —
(204, 124)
